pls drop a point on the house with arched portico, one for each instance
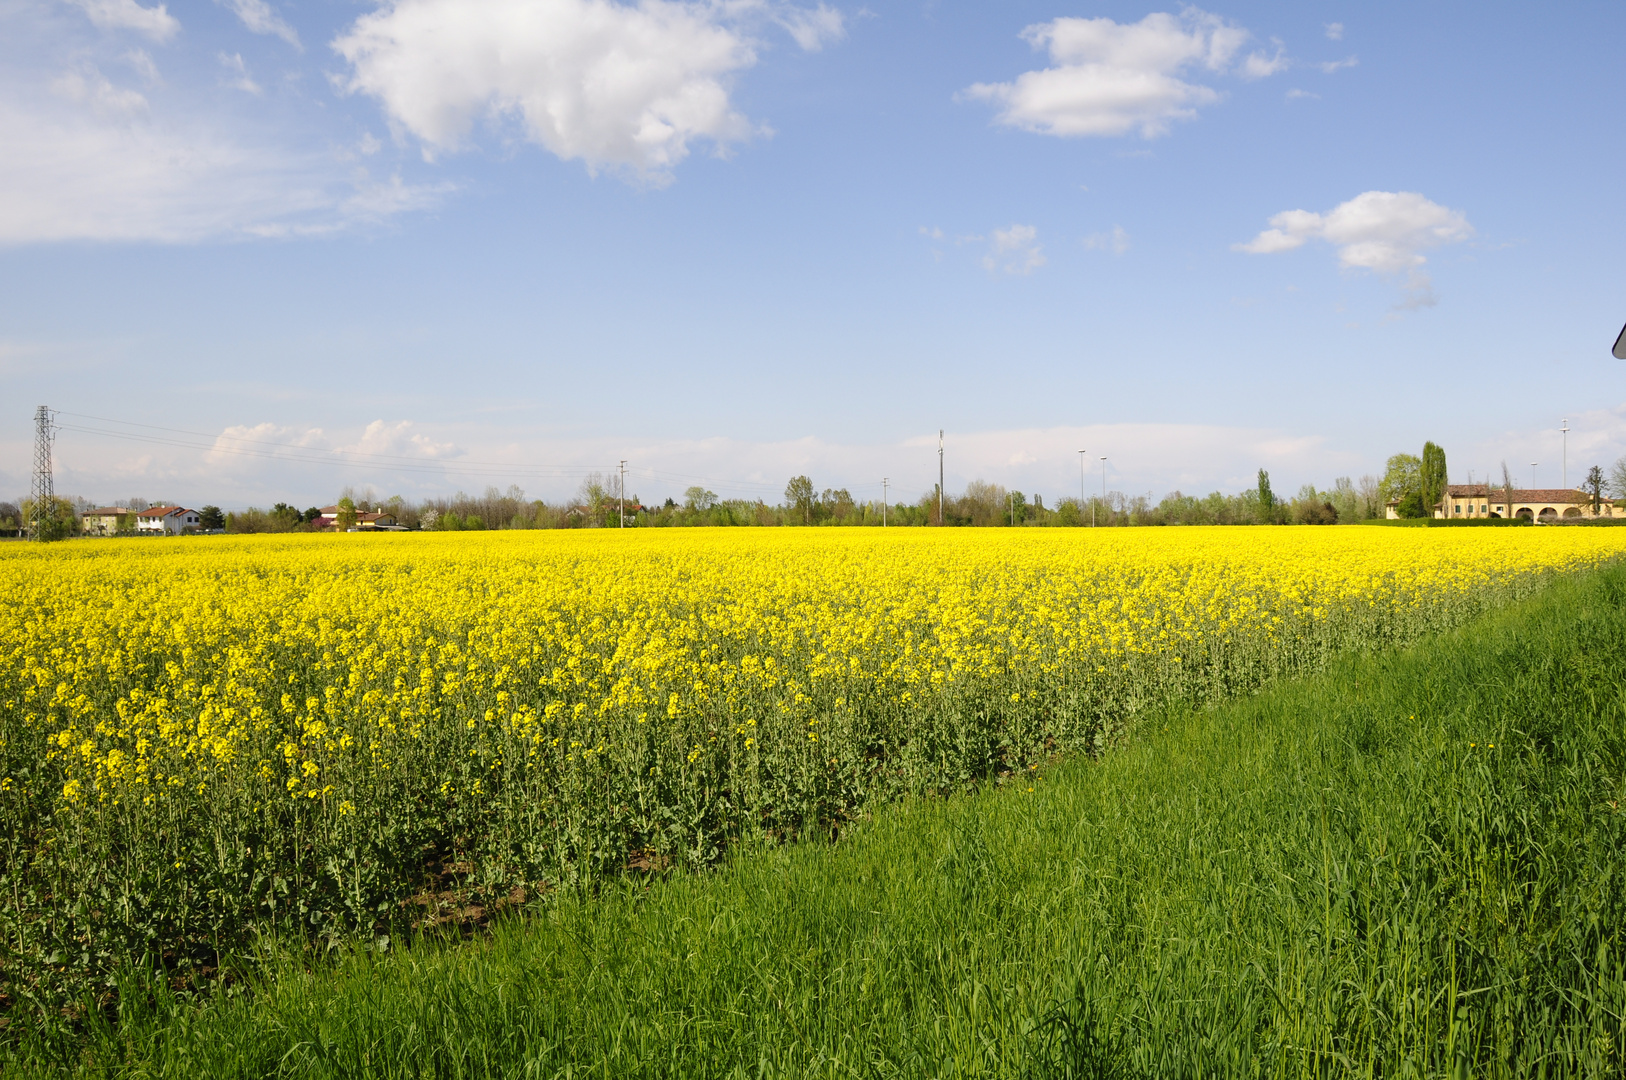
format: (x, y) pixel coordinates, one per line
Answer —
(1467, 502)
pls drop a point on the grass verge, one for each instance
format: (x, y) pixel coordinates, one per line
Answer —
(1409, 865)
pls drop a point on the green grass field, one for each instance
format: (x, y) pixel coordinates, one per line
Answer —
(1410, 865)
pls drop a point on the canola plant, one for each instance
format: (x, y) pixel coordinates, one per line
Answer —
(330, 736)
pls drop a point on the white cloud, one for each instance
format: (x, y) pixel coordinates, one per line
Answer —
(1116, 241)
(1335, 31)
(813, 28)
(1382, 231)
(97, 166)
(1110, 78)
(1331, 66)
(612, 85)
(142, 65)
(155, 22)
(263, 440)
(237, 74)
(261, 18)
(1296, 94)
(1260, 66)
(1014, 251)
(398, 439)
(90, 87)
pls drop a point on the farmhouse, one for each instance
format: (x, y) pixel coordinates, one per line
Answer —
(366, 520)
(166, 519)
(1474, 501)
(103, 521)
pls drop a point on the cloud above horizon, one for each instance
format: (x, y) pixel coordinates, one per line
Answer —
(615, 86)
(1111, 79)
(1385, 232)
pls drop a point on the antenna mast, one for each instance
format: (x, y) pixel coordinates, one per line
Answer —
(42, 493)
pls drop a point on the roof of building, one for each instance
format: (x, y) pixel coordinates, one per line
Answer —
(106, 511)
(164, 511)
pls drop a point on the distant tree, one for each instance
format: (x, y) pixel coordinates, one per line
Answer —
(473, 523)
(1411, 505)
(346, 518)
(698, 498)
(1310, 512)
(210, 517)
(11, 518)
(429, 520)
(1267, 498)
(286, 518)
(1371, 498)
(1067, 513)
(311, 514)
(50, 521)
(1593, 485)
(1345, 499)
(1433, 478)
(1019, 507)
(799, 498)
(1402, 476)
(1617, 479)
(837, 503)
(1507, 490)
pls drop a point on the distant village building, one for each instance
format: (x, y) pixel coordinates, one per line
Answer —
(1477, 501)
(103, 521)
(168, 520)
(366, 520)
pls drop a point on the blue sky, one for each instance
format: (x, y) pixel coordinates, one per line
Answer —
(441, 244)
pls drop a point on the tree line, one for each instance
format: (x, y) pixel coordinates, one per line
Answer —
(1415, 482)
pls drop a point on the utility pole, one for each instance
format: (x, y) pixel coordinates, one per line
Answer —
(1566, 473)
(940, 476)
(1081, 454)
(1103, 481)
(1013, 509)
(884, 481)
(623, 493)
(43, 490)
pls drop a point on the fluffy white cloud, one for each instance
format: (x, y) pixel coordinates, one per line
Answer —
(1335, 31)
(614, 85)
(1385, 231)
(156, 22)
(385, 439)
(1110, 78)
(261, 18)
(1014, 251)
(1260, 66)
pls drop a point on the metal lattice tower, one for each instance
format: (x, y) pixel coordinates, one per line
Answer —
(43, 491)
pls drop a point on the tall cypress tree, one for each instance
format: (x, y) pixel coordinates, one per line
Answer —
(1434, 476)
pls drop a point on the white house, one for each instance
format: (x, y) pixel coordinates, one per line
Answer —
(166, 519)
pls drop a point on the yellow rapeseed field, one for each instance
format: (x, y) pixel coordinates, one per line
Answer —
(205, 736)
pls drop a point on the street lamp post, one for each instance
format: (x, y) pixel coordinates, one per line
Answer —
(1532, 477)
(884, 481)
(1103, 481)
(1081, 454)
(1566, 467)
